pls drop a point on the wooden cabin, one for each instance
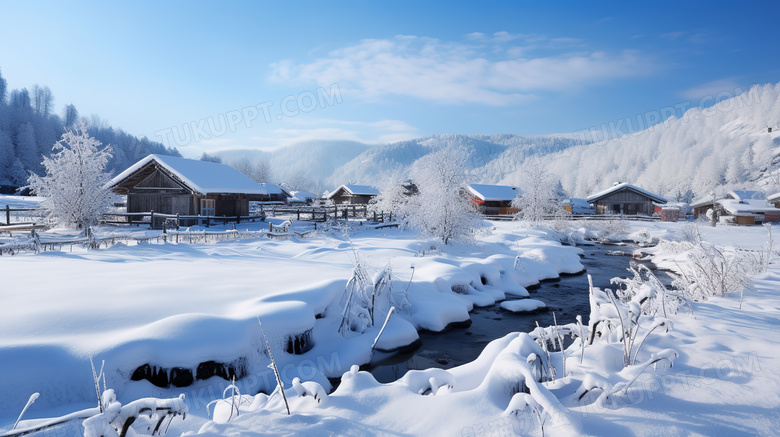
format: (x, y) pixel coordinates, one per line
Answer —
(741, 207)
(351, 194)
(493, 199)
(170, 185)
(625, 199)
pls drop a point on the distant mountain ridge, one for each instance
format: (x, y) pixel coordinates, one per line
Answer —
(728, 145)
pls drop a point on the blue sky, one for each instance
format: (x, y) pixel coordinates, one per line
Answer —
(207, 76)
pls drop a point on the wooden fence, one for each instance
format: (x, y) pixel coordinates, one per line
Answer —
(325, 213)
(29, 217)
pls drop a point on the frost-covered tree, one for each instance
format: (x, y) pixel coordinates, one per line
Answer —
(441, 209)
(70, 116)
(257, 170)
(393, 197)
(210, 158)
(74, 186)
(539, 196)
(43, 99)
(27, 148)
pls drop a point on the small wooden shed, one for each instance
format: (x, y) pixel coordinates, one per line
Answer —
(170, 185)
(351, 194)
(623, 198)
(493, 199)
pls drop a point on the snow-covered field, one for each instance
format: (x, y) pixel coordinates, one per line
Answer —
(180, 307)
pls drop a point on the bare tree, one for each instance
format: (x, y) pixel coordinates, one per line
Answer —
(259, 170)
(70, 116)
(43, 100)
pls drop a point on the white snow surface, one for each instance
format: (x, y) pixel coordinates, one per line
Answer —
(178, 305)
(175, 304)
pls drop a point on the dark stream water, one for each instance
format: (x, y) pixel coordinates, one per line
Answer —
(567, 297)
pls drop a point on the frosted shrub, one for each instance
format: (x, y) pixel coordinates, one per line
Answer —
(616, 320)
(358, 302)
(612, 229)
(653, 296)
(712, 270)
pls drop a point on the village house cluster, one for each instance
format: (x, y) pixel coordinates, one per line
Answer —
(170, 185)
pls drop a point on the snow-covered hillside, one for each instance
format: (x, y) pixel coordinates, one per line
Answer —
(728, 144)
(312, 160)
(486, 151)
(724, 145)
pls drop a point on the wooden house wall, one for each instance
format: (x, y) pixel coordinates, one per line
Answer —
(164, 203)
(625, 202)
(230, 205)
(343, 197)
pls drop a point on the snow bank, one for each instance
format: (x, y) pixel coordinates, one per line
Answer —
(169, 316)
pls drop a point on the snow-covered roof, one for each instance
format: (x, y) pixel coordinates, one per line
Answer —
(356, 190)
(272, 188)
(305, 195)
(750, 206)
(624, 186)
(774, 197)
(746, 194)
(706, 200)
(200, 176)
(578, 206)
(493, 193)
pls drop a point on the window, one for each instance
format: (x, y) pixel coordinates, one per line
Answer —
(207, 207)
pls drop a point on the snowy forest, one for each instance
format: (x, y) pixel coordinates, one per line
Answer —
(30, 126)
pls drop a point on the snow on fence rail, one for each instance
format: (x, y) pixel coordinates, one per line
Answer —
(324, 213)
(33, 243)
(594, 217)
(160, 221)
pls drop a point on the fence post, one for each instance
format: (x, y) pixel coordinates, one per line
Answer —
(299, 214)
(178, 223)
(7, 215)
(151, 220)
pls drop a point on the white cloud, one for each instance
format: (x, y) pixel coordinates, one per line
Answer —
(299, 129)
(493, 70)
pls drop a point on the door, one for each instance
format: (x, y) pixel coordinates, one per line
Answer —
(207, 207)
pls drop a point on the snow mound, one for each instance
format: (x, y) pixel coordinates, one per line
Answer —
(523, 305)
